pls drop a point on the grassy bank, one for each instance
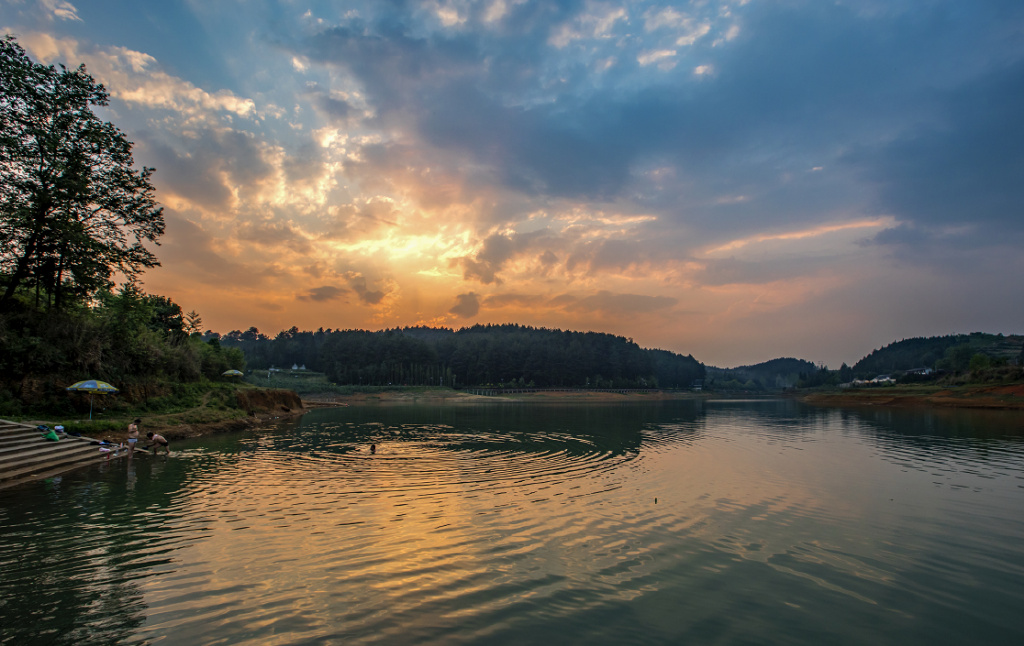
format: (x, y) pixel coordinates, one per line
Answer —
(999, 396)
(172, 409)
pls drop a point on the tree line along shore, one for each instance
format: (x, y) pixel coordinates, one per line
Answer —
(76, 213)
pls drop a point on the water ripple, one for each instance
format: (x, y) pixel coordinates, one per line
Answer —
(504, 524)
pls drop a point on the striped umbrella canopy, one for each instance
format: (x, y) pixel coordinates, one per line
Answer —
(92, 386)
(232, 373)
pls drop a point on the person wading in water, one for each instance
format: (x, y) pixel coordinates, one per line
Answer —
(133, 436)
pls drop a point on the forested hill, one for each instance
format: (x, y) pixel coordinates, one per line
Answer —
(509, 355)
(952, 353)
(770, 375)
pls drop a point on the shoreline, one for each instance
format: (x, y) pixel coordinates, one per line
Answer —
(995, 397)
(999, 397)
(446, 396)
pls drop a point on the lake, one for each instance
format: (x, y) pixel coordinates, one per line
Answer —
(705, 522)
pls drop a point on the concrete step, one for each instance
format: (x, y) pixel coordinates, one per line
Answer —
(43, 474)
(26, 456)
(32, 436)
(43, 457)
(14, 440)
(25, 473)
(38, 448)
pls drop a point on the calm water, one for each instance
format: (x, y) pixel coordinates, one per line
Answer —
(683, 522)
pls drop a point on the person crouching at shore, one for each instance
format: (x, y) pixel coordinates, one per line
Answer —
(156, 441)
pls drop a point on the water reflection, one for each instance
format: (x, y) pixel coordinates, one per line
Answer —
(753, 522)
(72, 549)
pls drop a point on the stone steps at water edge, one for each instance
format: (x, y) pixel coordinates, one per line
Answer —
(40, 450)
(14, 436)
(25, 455)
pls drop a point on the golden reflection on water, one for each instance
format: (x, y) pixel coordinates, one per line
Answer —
(673, 528)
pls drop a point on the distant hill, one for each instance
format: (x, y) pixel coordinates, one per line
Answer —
(952, 352)
(507, 355)
(770, 375)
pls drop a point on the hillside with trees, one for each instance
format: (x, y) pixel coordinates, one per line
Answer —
(776, 374)
(952, 353)
(75, 213)
(492, 355)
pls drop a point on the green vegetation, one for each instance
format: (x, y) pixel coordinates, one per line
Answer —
(953, 353)
(482, 355)
(165, 404)
(73, 213)
(134, 340)
(776, 374)
(73, 210)
(953, 360)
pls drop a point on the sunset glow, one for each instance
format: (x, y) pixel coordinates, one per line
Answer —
(733, 180)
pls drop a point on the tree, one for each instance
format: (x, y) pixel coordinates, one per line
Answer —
(193, 323)
(73, 210)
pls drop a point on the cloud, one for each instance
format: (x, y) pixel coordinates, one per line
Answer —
(964, 169)
(366, 295)
(570, 162)
(619, 304)
(496, 251)
(515, 300)
(324, 293)
(602, 301)
(466, 305)
(62, 9)
(196, 253)
(335, 107)
(270, 233)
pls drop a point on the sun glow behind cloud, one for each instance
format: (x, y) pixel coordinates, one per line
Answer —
(565, 165)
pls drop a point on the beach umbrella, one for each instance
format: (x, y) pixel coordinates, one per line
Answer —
(92, 386)
(232, 373)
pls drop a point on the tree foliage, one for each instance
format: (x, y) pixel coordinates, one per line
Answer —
(951, 353)
(508, 355)
(73, 209)
(775, 374)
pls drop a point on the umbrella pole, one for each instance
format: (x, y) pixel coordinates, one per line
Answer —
(90, 407)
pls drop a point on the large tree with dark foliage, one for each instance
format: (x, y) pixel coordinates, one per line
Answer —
(73, 209)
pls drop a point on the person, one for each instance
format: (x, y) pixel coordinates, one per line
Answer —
(157, 440)
(373, 448)
(133, 436)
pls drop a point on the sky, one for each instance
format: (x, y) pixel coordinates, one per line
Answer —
(738, 180)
